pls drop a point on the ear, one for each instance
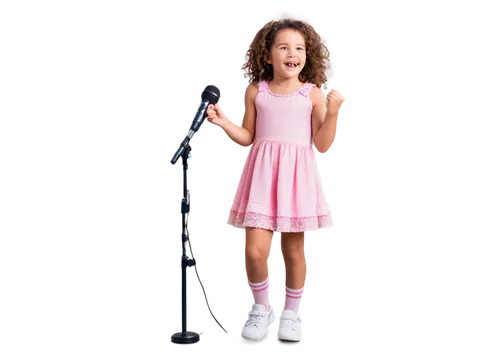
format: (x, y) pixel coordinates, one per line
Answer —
(268, 58)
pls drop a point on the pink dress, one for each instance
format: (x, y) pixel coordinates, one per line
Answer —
(280, 188)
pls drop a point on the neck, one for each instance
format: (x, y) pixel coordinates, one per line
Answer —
(284, 82)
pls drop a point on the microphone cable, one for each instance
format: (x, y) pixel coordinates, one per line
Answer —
(196, 271)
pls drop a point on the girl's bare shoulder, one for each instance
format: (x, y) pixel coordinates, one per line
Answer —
(252, 90)
(316, 95)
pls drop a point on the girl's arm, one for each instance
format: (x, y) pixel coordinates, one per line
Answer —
(325, 123)
(244, 135)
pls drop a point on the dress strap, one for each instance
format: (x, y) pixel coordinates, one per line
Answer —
(263, 86)
(306, 88)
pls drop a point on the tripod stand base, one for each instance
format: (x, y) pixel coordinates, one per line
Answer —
(188, 337)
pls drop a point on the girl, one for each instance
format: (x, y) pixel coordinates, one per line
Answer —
(280, 187)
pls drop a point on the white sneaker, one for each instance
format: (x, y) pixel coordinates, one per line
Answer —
(258, 321)
(290, 326)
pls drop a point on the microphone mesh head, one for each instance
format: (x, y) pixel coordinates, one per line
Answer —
(211, 94)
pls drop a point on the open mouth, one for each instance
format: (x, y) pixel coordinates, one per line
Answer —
(291, 64)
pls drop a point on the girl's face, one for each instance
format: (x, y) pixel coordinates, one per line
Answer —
(288, 46)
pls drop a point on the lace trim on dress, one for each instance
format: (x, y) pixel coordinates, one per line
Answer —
(304, 90)
(279, 223)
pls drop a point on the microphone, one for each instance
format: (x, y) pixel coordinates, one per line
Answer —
(210, 95)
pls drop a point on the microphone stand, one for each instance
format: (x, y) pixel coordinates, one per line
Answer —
(185, 336)
(210, 95)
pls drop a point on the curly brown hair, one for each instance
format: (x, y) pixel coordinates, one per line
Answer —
(317, 54)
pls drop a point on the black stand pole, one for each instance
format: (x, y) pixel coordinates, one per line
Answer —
(209, 96)
(185, 336)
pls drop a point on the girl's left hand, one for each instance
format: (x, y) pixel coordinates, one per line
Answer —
(334, 101)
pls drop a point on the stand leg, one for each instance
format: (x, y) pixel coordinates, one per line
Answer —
(185, 335)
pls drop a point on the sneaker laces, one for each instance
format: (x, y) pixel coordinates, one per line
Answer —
(255, 318)
(289, 323)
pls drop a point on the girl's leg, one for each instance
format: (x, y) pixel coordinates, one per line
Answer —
(292, 246)
(257, 248)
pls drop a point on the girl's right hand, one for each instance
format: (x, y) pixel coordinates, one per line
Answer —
(215, 115)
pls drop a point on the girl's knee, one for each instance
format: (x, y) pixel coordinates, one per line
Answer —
(294, 255)
(258, 243)
(257, 253)
(292, 246)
